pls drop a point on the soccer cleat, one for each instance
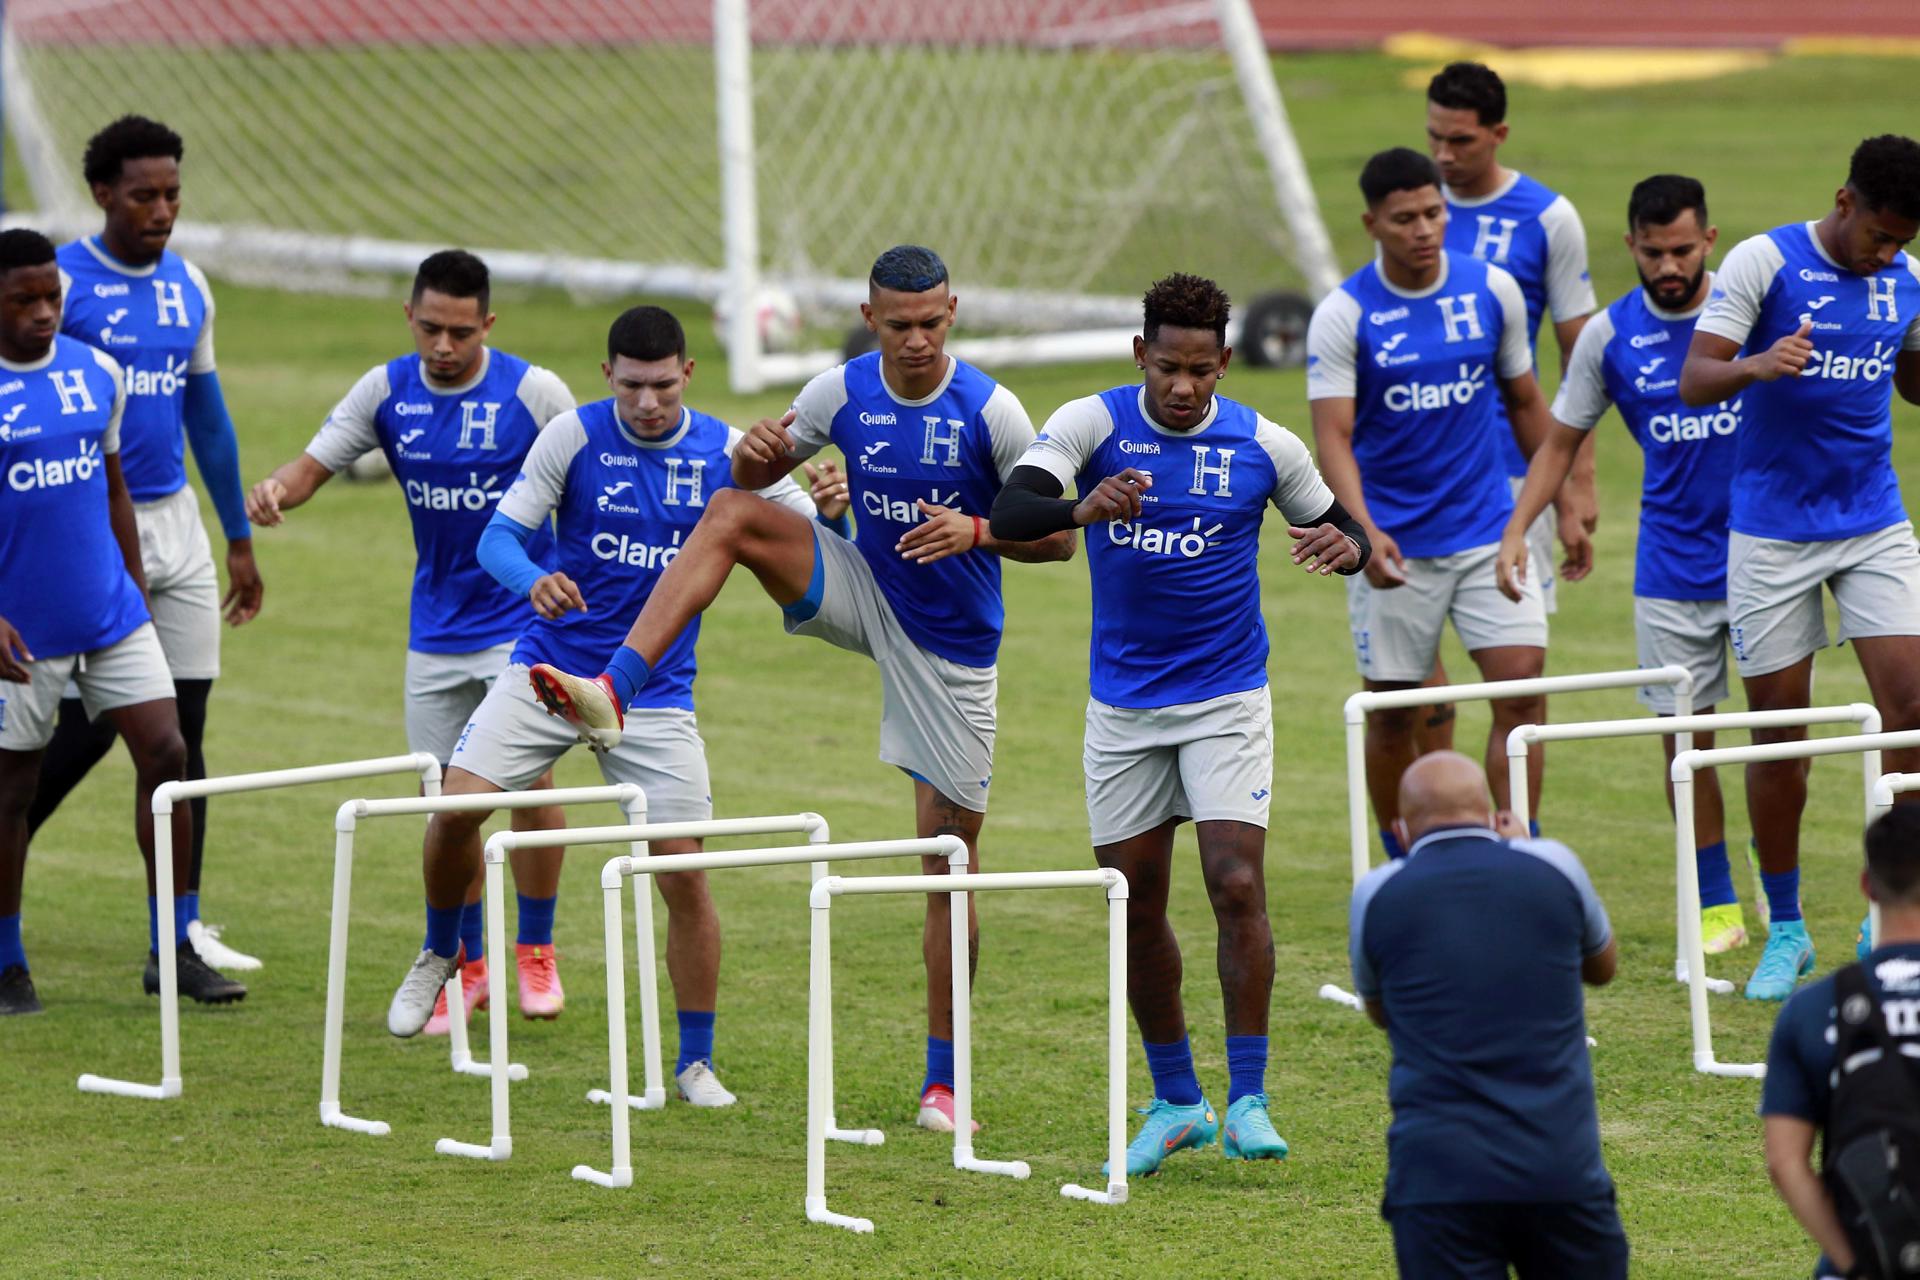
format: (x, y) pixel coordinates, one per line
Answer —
(936, 1110)
(1249, 1133)
(1863, 943)
(413, 1001)
(16, 991)
(1169, 1128)
(206, 940)
(540, 993)
(588, 705)
(1787, 959)
(701, 1088)
(473, 991)
(194, 977)
(1722, 929)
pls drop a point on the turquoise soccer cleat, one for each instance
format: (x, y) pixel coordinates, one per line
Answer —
(1249, 1134)
(1787, 959)
(1169, 1128)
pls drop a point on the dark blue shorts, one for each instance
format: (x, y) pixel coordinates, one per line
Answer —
(1539, 1241)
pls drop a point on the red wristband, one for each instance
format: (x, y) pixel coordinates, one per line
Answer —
(977, 531)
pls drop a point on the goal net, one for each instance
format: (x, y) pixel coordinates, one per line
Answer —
(752, 154)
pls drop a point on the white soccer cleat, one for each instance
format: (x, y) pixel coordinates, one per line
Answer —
(701, 1088)
(588, 705)
(413, 1002)
(206, 941)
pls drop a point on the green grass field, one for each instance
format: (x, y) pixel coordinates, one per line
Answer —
(237, 1177)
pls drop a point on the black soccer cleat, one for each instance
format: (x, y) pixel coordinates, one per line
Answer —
(197, 980)
(16, 991)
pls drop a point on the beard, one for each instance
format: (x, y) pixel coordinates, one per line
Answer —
(1670, 294)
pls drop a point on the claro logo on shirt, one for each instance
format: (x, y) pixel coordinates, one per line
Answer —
(1675, 428)
(636, 553)
(1404, 396)
(473, 496)
(1842, 368)
(52, 473)
(1187, 544)
(905, 510)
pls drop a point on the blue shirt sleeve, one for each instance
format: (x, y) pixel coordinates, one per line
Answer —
(839, 524)
(503, 553)
(1366, 981)
(217, 451)
(1595, 929)
(1795, 1086)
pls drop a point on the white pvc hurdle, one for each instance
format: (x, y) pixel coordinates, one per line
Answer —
(1682, 729)
(1685, 765)
(165, 797)
(820, 1026)
(1879, 801)
(345, 825)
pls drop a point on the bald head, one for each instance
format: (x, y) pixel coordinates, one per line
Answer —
(1443, 788)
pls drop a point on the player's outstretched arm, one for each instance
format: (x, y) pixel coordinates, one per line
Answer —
(1333, 449)
(126, 531)
(290, 485)
(1716, 371)
(1547, 471)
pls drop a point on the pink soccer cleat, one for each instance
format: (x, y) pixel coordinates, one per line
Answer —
(473, 991)
(541, 995)
(588, 705)
(936, 1110)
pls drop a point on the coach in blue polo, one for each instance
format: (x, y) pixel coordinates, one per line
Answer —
(1470, 952)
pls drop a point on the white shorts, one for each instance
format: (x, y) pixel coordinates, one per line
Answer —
(1540, 561)
(443, 692)
(1773, 593)
(937, 717)
(1682, 633)
(1209, 761)
(511, 741)
(131, 670)
(182, 589)
(1396, 632)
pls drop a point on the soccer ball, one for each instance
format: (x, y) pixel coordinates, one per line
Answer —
(776, 317)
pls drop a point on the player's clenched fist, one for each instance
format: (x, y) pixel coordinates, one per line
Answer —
(1510, 565)
(13, 653)
(1323, 549)
(1115, 498)
(1787, 357)
(555, 596)
(263, 502)
(768, 441)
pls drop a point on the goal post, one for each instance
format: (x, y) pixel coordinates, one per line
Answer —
(750, 155)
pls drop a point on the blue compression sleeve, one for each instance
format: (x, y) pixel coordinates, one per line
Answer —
(503, 553)
(839, 524)
(216, 450)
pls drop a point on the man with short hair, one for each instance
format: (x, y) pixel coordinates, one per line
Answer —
(127, 294)
(72, 603)
(1493, 1156)
(1405, 363)
(454, 419)
(1629, 357)
(928, 441)
(1829, 315)
(1179, 721)
(1797, 1100)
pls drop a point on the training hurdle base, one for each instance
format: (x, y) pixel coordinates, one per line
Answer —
(820, 1025)
(166, 797)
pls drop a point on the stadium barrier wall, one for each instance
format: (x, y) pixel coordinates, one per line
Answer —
(165, 797)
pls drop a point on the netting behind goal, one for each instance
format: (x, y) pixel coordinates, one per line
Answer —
(1059, 153)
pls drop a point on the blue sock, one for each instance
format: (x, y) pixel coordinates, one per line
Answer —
(696, 1039)
(443, 930)
(1246, 1066)
(939, 1064)
(1783, 895)
(1173, 1077)
(153, 923)
(11, 952)
(1391, 843)
(1716, 876)
(473, 930)
(629, 672)
(193, 904)
(536, 920)
(1533, 827)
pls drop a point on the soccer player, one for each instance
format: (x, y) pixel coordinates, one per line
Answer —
(71, 601)
(928, 441)
(1829, 314)
(1180, 722)
(455, 420)
(130, 296)
(1629, 356)
(1405, 361)
(628, 478)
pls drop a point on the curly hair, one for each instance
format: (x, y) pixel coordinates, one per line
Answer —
(1186, 302)
(21, 247)
(1886, 173)
(128, 138)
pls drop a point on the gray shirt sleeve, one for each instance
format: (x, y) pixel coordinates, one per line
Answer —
(1299, 492)
(1595, 930)
(1912, 341)
(1065, 444)
(349, 430)
(1009, 428)
(1332, 341)
(1569, 287)
(201, 361)
(542, 481)
(814, 409)
(1582, 399)
(110, 438)
(1739, 287)
(544, 394)
(1366, 982)
(1515, 355)
(783, 492)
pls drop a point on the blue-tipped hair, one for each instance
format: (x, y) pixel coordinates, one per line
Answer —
(21, 247)
(907, 268)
